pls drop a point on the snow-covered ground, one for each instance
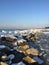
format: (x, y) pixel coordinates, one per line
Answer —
(42, 41)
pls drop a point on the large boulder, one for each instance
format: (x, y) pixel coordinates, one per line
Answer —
(4, 58)
(32, 51)
(21, 42)
(23, 48)
(29, 60)
(3, 63)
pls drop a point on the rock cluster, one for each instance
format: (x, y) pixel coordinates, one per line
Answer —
(17, 51)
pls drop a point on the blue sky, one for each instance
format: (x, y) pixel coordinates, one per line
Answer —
(24, 13)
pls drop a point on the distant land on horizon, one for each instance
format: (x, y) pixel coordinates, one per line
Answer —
(24, 28)
(46, 27)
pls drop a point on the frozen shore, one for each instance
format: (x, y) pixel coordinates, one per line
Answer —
(34, 40)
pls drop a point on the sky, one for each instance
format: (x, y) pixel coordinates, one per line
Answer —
(24, 13)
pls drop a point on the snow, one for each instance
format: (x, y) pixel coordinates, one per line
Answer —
(21, 40)
(10, 32)
(20, 63)
(11, 36)
(11, 56)
(2, 46)
(15, 48)
(4, 31)
(10, 62)
(48, 59)
(38, 60)
(15, 32)
(42, 42)
(46, 32)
